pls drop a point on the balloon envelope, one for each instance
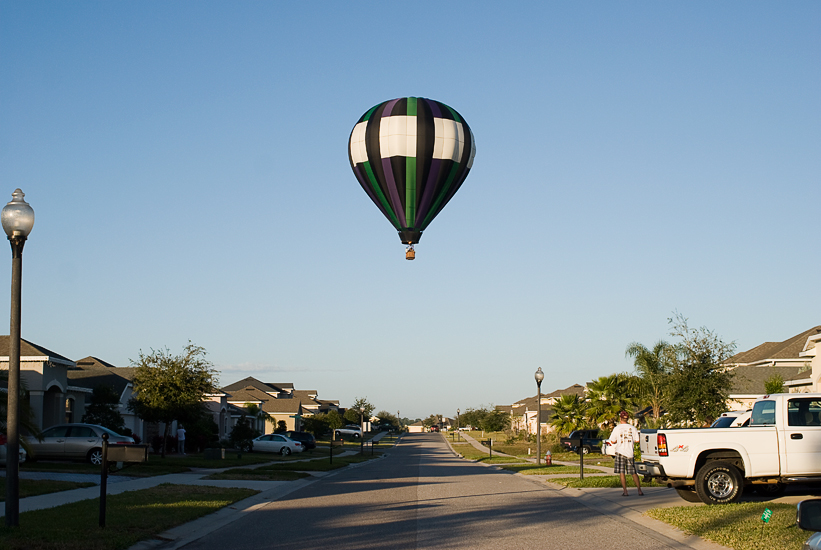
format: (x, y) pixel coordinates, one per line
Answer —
(411, 155)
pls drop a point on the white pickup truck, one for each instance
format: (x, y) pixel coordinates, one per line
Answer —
(781, 445)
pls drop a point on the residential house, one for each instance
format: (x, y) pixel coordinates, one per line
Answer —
(524, 413)
(794, 359)
(90, 372)
(43, 373)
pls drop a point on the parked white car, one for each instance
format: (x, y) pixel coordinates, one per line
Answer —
(277, 443)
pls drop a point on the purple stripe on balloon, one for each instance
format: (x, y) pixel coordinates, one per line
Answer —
(362, 177)
(427, 196)
(389, 107)
(393, 192)
(434, 108)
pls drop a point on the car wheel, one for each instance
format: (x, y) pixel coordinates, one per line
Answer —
(356, 436)
(337, 434)
(285, 451)
(770, 490)
(719, 482)
(688, 494)
(95, 456)
(586, 450)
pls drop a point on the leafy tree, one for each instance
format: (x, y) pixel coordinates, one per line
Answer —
(25, 414)
(607, 397)
(473, 417)
(353, 413)
(699, 384)
(256, 413)
(333, 419)
(496, 421)
(282, 427)
(103, 409)
(569, 413)
(171, 387)
(387, 420)
(432, 420)
(241, 434)
(774, 384)
(653, 372)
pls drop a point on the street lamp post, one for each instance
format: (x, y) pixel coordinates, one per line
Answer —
(539, 377)
(17, 218)
(361, 430)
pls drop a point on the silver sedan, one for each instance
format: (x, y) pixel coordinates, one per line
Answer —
(277, 443)
(74, 442)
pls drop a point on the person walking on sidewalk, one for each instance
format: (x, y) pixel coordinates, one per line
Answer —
(622, 439)
(180, 439)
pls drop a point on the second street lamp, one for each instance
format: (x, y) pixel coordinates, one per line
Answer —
(17, 219)
(539, 377)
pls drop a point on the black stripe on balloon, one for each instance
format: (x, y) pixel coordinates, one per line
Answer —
(425, 134)
(372, 148)
(398, 168)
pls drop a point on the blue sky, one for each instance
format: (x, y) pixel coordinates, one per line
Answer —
(187, 164)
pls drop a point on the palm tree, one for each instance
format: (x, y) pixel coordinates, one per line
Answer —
(255, 412)
(568, 414)
(653, 371)
(607, 397)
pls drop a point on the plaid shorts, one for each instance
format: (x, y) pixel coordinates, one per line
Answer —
(624, 465)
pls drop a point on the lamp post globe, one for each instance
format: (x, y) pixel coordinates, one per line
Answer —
(539, 376)
(17, 218)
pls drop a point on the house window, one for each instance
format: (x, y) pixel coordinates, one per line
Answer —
(69, 411)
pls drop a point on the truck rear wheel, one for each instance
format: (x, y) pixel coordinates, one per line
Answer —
(688, 494)
(719, 482)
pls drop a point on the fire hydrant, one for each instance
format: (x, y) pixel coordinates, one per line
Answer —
(548, 458)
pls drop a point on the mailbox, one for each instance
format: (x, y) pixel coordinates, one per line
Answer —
(127, 453)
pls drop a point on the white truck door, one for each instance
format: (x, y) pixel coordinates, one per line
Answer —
(802, 436)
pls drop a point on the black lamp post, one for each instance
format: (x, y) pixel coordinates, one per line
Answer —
(361, 430)
(17, 218)
(458, 422)
(539, 377)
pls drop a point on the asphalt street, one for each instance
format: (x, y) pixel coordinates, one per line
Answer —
(422, 496)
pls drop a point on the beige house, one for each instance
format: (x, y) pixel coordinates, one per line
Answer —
(794, 359)
(43, 373)
(524, 413)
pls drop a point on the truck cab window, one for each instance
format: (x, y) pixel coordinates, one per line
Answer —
(763, 413)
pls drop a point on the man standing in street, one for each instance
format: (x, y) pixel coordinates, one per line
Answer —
(180, 439)
(623, 439)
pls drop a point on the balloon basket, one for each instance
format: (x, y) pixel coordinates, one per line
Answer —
(410, 253)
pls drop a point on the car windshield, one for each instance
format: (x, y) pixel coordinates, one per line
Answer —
(763, 413)
(723, 422)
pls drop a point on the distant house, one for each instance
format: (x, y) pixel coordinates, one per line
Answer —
(524, 413)
(44, 374)
(280, 401)
(793, 359)
(416, 428)
(90, 372)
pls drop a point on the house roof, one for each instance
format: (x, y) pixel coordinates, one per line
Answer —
(32, 350)
(248, 394)
(249, 381)
(788, 349)
(749, 380)
(282, 406)
(92, 372)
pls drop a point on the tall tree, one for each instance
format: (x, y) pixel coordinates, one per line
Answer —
(569, 413)
(104, 409)
(171, 387)
(699, 383)
(360, 407)
(653, 370)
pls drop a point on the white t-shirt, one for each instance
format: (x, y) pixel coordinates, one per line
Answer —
(623, 438)
(181, 433)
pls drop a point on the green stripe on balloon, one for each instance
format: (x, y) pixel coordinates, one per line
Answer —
(410, 191)
(380, 195)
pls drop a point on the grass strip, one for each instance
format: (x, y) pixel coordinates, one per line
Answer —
(738, 526)
(534, 470)
(599, 481)
(323, 465)
(130, 518)
(257, 474)
(34, 487)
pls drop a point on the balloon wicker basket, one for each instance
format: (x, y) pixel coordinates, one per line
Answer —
(410, 253)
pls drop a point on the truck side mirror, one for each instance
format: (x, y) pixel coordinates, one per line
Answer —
(808, 514)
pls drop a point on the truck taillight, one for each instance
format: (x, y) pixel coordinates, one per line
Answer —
(661, 443)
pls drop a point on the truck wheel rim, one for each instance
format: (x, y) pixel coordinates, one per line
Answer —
(720, 485)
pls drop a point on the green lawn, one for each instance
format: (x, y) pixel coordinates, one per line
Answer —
(34, 487)
(599, 481)
(130, 517)
(534, 470)
(258, 474)
(738, 526)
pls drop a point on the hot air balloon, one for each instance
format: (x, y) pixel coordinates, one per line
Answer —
(411, 155)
